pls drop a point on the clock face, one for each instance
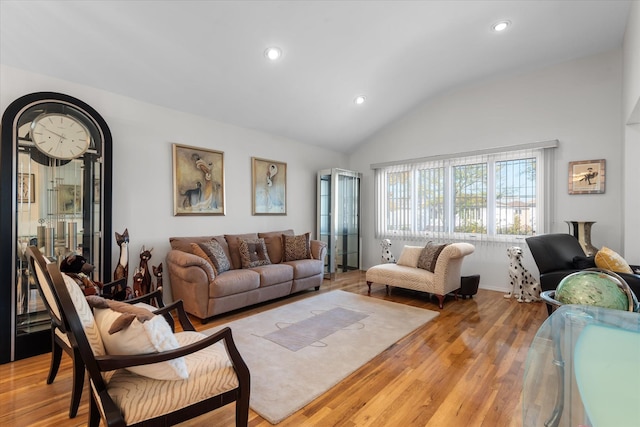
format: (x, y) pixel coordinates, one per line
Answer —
(60, 136)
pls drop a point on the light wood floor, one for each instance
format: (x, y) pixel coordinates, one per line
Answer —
(464, 368)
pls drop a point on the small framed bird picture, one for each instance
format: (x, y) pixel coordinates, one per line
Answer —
(587, 177)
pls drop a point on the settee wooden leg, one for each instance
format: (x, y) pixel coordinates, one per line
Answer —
(369, 285)
(388, 290)
(440, 300)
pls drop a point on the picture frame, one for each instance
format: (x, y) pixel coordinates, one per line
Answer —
(587, 177)
(198, 181)
(69, 199)
(26, 188)
(269, 187)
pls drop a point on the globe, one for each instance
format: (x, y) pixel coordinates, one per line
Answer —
(592, 287)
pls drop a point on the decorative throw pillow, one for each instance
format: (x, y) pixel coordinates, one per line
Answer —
(233, 243)
(216, 255)
(429, 256)
(197, 250)
(296, 247)
(610, 260)
(273, 240)
(409, 256)
(253, 253)
(152, 336)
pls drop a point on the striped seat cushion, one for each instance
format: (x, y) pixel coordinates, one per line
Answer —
(140, 398)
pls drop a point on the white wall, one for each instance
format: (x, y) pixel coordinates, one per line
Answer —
(142, 171)
(631, 119)
(577, 102)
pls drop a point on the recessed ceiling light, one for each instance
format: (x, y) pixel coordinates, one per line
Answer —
(500, 26)
(273, 53)
(359, 100)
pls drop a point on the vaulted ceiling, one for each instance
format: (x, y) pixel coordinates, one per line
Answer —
(207, 57)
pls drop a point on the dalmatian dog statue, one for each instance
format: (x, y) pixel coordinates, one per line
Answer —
(523, 285)
(387, 256)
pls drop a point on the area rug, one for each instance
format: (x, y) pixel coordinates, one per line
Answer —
(298, 351)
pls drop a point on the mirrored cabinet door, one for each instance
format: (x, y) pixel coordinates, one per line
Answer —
(54, 195)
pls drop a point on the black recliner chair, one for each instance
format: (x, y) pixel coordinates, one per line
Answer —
(558, 255)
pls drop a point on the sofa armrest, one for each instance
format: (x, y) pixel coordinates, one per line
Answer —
(190, 277)
(180, 263)
(456, 250)
(449, 265)
(318, 249)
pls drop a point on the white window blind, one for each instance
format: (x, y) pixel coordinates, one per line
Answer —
(487, 196)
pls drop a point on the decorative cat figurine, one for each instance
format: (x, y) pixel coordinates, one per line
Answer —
(157, 272)
(137, 283)
(122, 269)
(145, 256)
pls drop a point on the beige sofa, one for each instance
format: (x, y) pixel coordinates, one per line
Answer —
(444, 279)
(206, 294)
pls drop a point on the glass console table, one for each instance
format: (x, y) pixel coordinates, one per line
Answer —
(583, 369)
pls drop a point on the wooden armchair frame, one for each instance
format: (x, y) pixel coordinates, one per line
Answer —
(101, 404)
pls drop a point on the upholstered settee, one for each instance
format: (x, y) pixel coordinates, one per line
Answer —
(217, 274)
(439, 276)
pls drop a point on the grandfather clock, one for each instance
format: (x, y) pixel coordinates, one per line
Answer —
(55, 194)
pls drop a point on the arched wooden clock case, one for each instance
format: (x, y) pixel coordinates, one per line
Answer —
(60, 203)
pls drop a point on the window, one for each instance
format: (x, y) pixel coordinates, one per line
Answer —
(492, 196)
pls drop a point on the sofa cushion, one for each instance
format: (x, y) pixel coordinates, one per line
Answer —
(610, 260)
(429, 256)
(233, 241)
(216, 256)
(274, 274)
(234, 282)
(306, 268)
(296, 247)
(253, 253)
(273, 240)
(410, 255)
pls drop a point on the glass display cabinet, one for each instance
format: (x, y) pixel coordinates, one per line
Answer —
(338, 219)
(582, 369)
(55, 194)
